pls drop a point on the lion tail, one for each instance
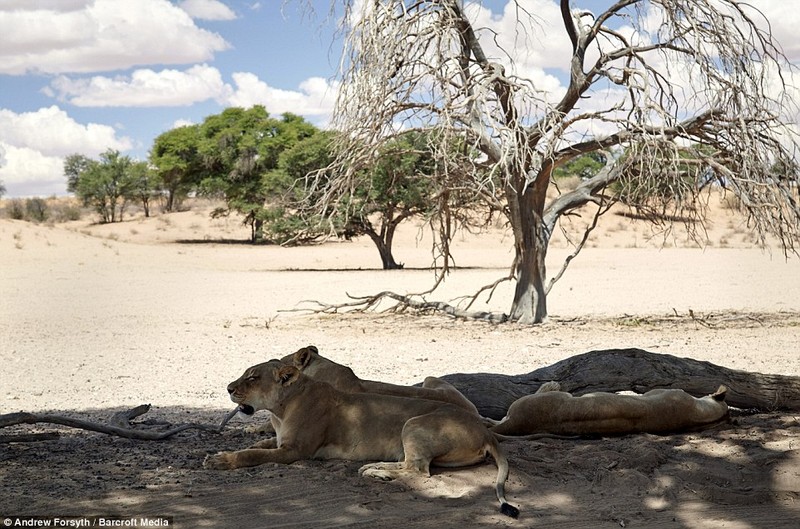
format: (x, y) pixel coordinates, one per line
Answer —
(502, 475)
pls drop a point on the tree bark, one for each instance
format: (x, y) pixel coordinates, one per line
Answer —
(383, 242)
(631, 370)
(531, 239)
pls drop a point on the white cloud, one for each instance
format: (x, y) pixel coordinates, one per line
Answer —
(27, 172)
(316, 96)
(54, 5)
(543, 44)
(34, 145)
(207, 10)
(784, 18)
(182, 123)
(143, 88)
(102, 35)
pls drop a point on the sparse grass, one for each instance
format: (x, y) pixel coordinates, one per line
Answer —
(632, 321)
(110, 246)
(164, 222)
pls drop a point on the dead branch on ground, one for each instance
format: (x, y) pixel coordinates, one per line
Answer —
(402, 303)
(119, 424)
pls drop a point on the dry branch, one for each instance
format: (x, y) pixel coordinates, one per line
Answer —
(402, 303)
(631, 370)
(119, 424)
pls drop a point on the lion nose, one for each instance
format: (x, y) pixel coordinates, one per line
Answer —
(230, 389)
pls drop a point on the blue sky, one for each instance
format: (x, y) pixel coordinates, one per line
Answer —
(86, 75)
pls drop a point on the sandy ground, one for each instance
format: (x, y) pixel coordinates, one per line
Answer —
(168, 310)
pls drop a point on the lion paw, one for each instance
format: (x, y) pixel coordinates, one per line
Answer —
(219, 461)
(376, 472)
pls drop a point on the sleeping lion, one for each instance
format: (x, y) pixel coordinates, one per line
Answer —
(659, 411)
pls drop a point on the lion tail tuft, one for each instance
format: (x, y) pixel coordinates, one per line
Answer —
(509, 510)
(502, 475)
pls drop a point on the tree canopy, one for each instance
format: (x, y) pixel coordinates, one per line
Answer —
(106, 184)
(237, 148)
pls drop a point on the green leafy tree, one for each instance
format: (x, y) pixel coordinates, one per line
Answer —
(396, 187)
(286, 219)
(144, 184)
(584, 166)
(74, 165)
(106, 185)
(175, 156)
(238, 148)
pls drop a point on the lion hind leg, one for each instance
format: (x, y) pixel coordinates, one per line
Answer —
(387, 471)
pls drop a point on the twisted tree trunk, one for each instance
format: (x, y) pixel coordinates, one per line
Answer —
(631, 370)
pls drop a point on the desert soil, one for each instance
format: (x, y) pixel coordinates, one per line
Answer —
(168, 310)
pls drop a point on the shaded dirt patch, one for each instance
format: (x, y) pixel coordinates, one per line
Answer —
(745, 474)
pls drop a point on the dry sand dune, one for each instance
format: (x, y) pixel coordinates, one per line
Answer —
(168, 310)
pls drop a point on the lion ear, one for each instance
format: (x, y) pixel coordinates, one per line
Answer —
(286, 375)
(303, 357)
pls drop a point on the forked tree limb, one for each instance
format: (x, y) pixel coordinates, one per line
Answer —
(631, 370)
(120, 424)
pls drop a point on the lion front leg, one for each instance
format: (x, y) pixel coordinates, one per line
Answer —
(250, 457)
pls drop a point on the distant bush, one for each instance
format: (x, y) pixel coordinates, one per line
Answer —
(16, 209)
(65, 210)
(36, 210)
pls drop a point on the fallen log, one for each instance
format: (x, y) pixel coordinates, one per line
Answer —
(631, 370)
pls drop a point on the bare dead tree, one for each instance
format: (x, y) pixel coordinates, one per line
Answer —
(676, 92)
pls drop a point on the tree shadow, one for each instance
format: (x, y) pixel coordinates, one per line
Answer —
(745, 473)
(222, 241)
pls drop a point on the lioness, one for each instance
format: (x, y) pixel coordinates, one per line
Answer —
(312, 364)
(317, 421)
(658, 411)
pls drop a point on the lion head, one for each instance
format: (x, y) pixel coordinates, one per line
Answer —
(312, 364)
(263, 387)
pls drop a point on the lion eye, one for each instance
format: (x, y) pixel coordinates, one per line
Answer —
(252, 378)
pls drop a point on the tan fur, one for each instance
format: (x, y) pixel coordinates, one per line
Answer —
(658, 411)
(314, 365)
(314, 420)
